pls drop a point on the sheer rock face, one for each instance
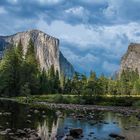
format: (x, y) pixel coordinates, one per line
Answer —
(46, 49)
(131, 59)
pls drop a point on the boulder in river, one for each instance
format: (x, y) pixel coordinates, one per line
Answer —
(69, 138)
(36, 111)
(113, 135)
(3, 133)
(76, 132)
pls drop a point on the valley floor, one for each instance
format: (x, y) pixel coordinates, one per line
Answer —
(45, 101)
(104, 100)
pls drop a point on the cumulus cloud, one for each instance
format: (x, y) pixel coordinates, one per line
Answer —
(82, 63)
(13, 1)
(101, 36)
(120, 11)
(79, 12)
(49, 1)
(2, 10)
(109, 41)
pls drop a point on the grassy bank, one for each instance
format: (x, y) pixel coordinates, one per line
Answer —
(84, 100)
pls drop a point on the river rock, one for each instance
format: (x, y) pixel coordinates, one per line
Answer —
(69, 138)
(113, 135)
(3, 133)
(43, 112)
(58, 113)
(33, 137)
(8, 130)
(76, 132)
(28, 121)
(36, 111)
(28, 115)
(20, 132)
(11, 134)
(6, 113)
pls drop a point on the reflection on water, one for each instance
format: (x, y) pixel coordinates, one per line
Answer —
(51, 127)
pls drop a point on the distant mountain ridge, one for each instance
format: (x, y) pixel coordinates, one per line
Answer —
(46, 49)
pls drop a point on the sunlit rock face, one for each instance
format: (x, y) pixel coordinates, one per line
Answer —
(46, 49)
(131, 59)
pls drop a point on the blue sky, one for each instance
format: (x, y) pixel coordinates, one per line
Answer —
(94, 34)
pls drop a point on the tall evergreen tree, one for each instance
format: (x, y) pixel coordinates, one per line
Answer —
(62, 82)
(30, 66)
(43, 82)
(57, 82)
(77, 84)
(10, 67)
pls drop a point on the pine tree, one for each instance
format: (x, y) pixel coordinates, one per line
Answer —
(10, 67)
(19, 50)
(57, 82)
(136, 87)
(43, 82)
(62, 82)
(76, 84)
(92, 84)
(30, 66)
(103, 83)
(68, 86)
(51, 79)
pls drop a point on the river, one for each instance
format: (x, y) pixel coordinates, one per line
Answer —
(52, 124)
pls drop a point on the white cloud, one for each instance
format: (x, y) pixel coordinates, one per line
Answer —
(113, 8)
(2, 10)
(94, 1)
(49, 1)
(113, 39)
(110, 11)
(13, 1)
(78, 34)
(108, 37)
(77, 11)
(84, 63)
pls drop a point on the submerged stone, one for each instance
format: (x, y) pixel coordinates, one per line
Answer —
(76, 132)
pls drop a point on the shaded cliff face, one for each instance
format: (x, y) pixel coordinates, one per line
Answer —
(131, 59)
(46, 49)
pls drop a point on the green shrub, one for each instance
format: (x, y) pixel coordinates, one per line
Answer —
(136, 104)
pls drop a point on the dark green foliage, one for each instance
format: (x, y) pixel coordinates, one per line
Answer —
(53, 80)
(20, 75)
(43, 82)
(25, 90)
(128, 80)
(10, 73)
(76, 84)
(30, 68)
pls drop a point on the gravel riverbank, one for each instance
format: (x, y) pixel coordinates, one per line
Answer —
(123, 110)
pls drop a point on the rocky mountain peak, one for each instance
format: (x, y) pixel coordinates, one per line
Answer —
(131, 59)
(46, 49)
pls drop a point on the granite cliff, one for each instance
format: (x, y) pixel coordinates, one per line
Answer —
(131, 59)
(46, 49)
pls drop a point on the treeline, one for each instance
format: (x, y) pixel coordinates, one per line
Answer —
(127, 83)
(20, 75)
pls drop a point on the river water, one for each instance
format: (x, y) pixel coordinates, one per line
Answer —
(49, 124)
